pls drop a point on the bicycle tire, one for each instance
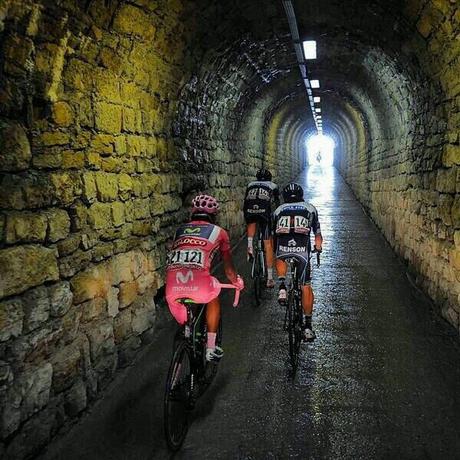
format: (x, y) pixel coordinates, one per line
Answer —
(297, 326)
(263, 271)
(178, 397)
(257, 275)
(290, 329)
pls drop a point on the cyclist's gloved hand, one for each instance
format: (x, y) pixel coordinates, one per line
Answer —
(239, 284)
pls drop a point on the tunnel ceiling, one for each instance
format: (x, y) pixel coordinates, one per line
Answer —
(369, 52)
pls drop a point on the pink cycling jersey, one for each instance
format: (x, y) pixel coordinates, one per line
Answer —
(189, 263)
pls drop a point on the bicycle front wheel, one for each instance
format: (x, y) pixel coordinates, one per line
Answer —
(178, 397)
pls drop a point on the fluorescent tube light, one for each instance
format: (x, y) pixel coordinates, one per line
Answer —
(309, 49)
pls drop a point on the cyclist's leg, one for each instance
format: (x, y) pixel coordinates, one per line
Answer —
(307, 295)
(307, 299)
(213, 353)
(281, 270)
(250, 231)
(268, 248)
(269, 252)
(213, 315)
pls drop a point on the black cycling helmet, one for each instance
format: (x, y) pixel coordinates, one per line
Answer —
(264, 174)
(292, 193)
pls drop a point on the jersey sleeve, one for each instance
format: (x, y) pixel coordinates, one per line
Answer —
(224, 242)
(315, 225)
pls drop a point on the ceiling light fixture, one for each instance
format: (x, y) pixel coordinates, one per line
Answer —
(309, 49)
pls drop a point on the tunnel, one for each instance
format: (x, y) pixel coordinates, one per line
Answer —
(114, 114)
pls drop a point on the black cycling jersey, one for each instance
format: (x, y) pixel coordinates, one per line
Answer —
(293, 223)
(258, 200)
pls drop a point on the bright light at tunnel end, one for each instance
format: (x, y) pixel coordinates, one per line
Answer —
(320, 150)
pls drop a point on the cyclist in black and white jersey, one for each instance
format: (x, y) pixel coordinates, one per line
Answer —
(293, 222)
(260, 194)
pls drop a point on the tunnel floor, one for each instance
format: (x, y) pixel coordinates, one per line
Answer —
(382, 380)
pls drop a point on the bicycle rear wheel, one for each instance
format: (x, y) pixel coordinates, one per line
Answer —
(178, 397)
(257, 276)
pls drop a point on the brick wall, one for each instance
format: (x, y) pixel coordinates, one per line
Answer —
(400, 150)
(109, 123)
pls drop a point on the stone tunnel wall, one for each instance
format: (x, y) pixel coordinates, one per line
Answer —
(108, 125)
(402, 157)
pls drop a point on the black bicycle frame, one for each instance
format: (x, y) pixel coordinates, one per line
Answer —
(259, 253)
(192, 328)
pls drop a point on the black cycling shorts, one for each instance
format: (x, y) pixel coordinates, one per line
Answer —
(303, 265)
(264, 225)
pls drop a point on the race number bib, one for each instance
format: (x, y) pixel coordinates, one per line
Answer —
(283, 225)
(258, 194)
(186, 257)
(301, 225)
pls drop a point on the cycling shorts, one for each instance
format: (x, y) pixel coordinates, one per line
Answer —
(265, 226)
(196, 285)
(303, 265)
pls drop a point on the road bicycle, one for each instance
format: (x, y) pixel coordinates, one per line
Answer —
(259, 267)
(189, 373)
(293, 317)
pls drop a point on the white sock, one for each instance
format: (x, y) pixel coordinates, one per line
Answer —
(270, 273)
(211, 344)
(250, 239)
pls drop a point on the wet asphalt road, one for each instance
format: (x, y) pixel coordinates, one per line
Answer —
(382, 380)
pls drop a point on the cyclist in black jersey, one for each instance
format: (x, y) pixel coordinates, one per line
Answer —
(293, 222)
(260, 195)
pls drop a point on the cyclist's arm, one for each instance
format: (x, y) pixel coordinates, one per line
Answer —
(274, 220)
(229, 268)
(170, 242)
(317, 231)
(227, 258)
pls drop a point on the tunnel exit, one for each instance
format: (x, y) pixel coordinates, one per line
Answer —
(320, 150)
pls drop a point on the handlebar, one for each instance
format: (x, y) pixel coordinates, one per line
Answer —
(237, 293)
(315, 251)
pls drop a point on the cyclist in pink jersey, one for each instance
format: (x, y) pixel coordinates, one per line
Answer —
(189, 262)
